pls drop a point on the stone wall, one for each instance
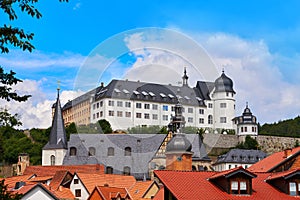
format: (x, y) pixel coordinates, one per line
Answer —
(216, 144)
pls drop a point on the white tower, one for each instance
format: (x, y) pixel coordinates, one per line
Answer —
(247, 123)
(223, 102)
(56, 148)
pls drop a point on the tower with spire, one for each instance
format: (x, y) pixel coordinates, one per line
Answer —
(56, 148)
(185, 78)
(179, 149)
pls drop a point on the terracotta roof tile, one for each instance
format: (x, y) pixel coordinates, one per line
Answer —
(140, 188)
(112, 192)
(57, 179)
(113, 180)
(51, 170)
(227, 172)
(195, 185)
(266, 164)
(160, 194)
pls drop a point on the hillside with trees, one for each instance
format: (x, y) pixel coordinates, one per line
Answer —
(285, 128)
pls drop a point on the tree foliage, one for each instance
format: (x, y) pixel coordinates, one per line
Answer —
(249, 143)
(286, 128)
(7, 195)
(6, 119)
(105, 126)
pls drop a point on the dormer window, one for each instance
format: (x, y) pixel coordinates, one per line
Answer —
(294, 188)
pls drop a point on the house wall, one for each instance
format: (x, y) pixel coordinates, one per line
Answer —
(151, 191)
(84, 193)
(37, 194)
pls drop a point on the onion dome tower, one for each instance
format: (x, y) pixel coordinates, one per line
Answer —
(223, 102)
(56, 148)
(247, 123)
(178, 150)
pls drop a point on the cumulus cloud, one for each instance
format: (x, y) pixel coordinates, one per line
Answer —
(257, 74)
(36, 112)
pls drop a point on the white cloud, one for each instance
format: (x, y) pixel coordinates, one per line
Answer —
(253, 68)
(36, 112)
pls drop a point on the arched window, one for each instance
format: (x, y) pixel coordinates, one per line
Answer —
(109, 170)
(126, 170)
(127, 151)
(73, 151)
(52, 160)
(210, 119)
(92, 151)
(110, 151)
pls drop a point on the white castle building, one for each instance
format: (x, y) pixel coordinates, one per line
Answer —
(128, 104)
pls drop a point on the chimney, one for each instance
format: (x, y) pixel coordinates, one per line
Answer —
(102, 84)
(287, 152)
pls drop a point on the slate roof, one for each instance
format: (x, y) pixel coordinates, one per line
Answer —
(244, 156)
(196, 185)
(58, 139)
(142, 91)
(143, 148)
(80, 99)
(273, 161)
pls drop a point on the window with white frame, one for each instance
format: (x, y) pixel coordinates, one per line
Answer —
(127, 104)
(201, 120)
(127, 114)
(154, 107)
(165, 108)
(110, 113)
(154, 116)
(165, 117)
(190, 110)
(146, 115)
(138, 115)
(201, 111)
(190, 119)
(210, 119)
(210, 105)
(119, 103)
(223, 105)
(111, 103)
(222, 119)
(138, 105)
(146, 106)
(119, 114)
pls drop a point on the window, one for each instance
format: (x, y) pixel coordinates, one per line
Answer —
(210, 119)
(165, 108)
(245, 129)
(154, 107)
(126, 170)
(110, 151)
(110, 113)
(239, 187)
(78, 193)
(201, 120)
(119, 113)
(146, 106)
(127, 104)
(294, 188)
(222, 119)
(94, 116)
(97, 104)
(190, 120)
(76, 181)
(222, 105)
(97, 114)
(210, 105)
(101, 103)
(155, 116)
(73, 151)
(146, 116)
(201, 111)
(52, 160)
(109, 170)
(127, 151)
(92, 151)
(94, 106)
(119, 103)
(165, 117)
(111, 103)
(101, 113)
(138, 105)
(127, 114)
(138, 115)
(190, 110)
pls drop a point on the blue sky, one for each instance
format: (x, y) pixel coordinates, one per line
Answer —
(260, 39)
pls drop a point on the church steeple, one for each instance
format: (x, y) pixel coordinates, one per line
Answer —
(58, 139)
(185, 78)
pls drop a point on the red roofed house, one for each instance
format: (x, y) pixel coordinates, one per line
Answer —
(109, 193)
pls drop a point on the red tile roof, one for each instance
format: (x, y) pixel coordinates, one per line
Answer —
(57, 179)
(268, 163)
(112, 192)
(282, 174)
(140, 188)
(113, 180)
(195, 185)
(228, 172)
(51, 170)
(160, 194)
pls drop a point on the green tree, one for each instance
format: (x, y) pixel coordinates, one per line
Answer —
(105, 126)
(7, 195)
(71, 129)
(6, 119)
(249, 143)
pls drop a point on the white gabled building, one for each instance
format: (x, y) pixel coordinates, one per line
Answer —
(128, 104)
